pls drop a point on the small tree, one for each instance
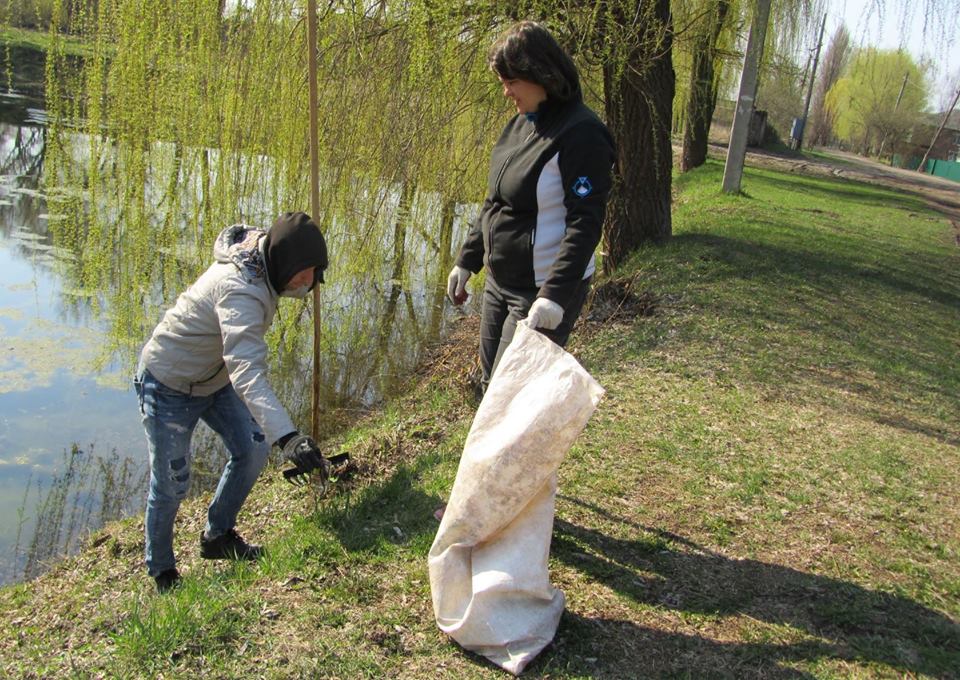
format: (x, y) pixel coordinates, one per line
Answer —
(781, 94)
(822, 118)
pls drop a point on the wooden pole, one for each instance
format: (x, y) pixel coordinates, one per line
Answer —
(813, 76)
(314, 201)
(737, 149)
(896, 107)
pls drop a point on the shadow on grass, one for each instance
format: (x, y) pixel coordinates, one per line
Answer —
(599, 647)
(852, 623)
(393, 511)
(835, 314)
(750, 259)
(900, 422)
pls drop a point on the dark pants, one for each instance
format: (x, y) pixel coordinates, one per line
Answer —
(503, 307)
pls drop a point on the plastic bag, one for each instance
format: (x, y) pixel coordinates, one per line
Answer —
(488, 563)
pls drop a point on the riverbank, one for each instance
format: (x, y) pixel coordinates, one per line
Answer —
(769, 488)
(42, 41)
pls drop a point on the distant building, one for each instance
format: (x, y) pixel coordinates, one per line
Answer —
(947, 147)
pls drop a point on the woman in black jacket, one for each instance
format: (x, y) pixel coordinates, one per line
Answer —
(550, 175)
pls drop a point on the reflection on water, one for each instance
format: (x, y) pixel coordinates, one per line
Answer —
(88, 491)
(58, 411)
(73, 314)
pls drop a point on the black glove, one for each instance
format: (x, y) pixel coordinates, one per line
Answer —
(302, 452)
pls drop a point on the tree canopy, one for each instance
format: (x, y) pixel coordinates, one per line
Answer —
(864, 100)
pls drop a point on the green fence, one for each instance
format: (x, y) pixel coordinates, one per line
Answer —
(947, 169)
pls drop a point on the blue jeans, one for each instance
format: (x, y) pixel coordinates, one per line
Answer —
(169, 418)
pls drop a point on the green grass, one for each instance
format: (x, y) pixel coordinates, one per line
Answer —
(769, 487)
(42, 40)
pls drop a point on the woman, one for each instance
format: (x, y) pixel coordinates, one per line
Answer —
(550, 174)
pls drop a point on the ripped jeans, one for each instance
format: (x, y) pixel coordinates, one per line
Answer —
(169, 418)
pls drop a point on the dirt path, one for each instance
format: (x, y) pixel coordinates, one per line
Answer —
(940, 194)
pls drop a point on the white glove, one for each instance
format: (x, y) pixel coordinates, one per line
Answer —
(545, 313)
(457, 285)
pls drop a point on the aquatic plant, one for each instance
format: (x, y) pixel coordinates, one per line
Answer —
(89, 491)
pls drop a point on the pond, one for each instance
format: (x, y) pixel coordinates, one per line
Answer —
(72, 453)
(57, 410)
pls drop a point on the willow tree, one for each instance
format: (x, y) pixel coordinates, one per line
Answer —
(639, 85)
(866, 100)
(703, 81)
(187, 119)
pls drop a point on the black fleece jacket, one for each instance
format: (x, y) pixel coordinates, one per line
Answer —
(546, 197)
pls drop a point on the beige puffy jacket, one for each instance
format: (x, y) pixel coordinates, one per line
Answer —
(214, 334)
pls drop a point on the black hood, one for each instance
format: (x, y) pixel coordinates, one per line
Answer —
(293, 244)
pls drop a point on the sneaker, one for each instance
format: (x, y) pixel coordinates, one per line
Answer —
(167, 580)
(229, 546)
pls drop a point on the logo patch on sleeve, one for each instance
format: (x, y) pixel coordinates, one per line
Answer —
(582, 187)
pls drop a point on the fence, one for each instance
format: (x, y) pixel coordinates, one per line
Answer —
(948, 169)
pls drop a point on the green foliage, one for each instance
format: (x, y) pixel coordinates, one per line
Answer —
(29, 14)
(190, 121)
(781, 95)
(864, 101)
(185, 120)
(694, 25)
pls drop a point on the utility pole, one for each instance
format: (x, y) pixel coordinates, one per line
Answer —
(943, 124)
(737, 149)
(314, 200)
(806, 72)
(813, 76)
(903, 87)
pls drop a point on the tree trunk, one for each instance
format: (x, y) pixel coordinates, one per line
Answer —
(703, 92)
(445, 259)
(638, 98)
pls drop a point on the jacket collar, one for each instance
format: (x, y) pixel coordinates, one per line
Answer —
(550, 111)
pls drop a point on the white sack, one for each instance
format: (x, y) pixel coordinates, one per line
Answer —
(488, 563)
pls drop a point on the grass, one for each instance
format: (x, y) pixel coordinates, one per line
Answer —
(42, 41)
(769, 488)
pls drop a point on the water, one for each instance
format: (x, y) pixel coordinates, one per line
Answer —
(53, 397)
(72, 451)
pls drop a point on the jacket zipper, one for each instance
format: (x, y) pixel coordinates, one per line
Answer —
(503, 169)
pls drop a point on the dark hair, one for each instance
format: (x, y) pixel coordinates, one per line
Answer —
(529, 52)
